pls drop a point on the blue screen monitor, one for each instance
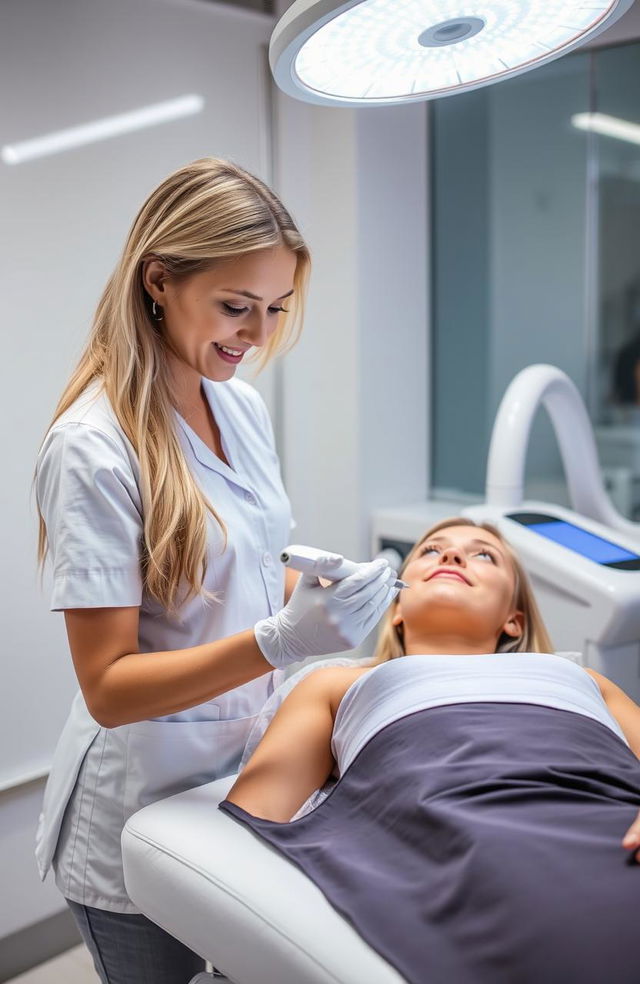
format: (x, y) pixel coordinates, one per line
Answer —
(581, 541)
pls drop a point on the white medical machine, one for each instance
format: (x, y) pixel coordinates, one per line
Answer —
(584, 562)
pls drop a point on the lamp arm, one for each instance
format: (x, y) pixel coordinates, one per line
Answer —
(549, 386)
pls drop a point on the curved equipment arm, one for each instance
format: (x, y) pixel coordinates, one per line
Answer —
(548, 385)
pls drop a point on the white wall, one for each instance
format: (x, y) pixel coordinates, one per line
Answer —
(64, 220)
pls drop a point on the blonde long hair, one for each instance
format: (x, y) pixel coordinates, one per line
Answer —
(207, 210)
(534, 638)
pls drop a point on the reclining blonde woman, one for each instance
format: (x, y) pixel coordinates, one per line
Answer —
(476, 831)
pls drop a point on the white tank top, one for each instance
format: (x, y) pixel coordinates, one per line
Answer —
(401, 686)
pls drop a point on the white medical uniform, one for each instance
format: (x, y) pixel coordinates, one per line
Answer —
(89, 493)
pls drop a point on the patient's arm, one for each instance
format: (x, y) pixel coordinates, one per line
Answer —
(625, 711)
(627, 714)
(294, 757)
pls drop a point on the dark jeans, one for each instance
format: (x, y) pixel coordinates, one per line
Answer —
(130, 949)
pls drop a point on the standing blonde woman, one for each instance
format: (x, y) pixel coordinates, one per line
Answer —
(162, 506)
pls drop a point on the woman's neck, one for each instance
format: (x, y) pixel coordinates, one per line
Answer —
(185, 385)
(452, 645)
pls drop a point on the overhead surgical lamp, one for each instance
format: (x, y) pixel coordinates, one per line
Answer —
(383, 52)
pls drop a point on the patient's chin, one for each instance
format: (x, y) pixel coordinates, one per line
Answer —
(443, 614)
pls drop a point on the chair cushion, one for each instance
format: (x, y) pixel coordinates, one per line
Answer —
(217, 887)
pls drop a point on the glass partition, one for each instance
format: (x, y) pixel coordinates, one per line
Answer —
(536, 258)
(616, 366)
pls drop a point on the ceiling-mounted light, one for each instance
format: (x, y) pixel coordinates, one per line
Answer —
(607, 126)
(102, 129)
(380, 52)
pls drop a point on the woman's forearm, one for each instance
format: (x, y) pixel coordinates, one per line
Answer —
(291, 578)
(138, 686)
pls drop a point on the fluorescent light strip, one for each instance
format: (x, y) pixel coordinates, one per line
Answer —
(110, 126)
(607, 126)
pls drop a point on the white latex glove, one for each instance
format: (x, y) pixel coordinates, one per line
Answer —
(318, 620)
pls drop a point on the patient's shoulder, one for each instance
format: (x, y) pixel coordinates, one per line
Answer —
(332, 682)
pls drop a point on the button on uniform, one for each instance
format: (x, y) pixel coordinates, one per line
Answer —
(266, 559)
(250, 498)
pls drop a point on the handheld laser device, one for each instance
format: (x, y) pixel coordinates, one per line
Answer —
(305, 559)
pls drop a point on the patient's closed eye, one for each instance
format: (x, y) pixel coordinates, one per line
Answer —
(486, 553)
(430, 548)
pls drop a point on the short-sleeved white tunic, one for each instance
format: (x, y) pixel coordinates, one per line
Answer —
(88, 490)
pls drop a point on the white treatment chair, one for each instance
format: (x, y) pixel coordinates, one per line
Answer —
(225, 893)
(228, 895)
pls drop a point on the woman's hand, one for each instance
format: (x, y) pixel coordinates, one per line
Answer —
(319, 620)
(631, 839)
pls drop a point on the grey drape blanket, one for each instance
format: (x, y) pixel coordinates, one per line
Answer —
(480, 844)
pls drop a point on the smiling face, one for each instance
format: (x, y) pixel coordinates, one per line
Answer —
(461, 595)
(235, 305)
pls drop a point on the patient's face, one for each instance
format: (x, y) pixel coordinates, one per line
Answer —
(461, 585)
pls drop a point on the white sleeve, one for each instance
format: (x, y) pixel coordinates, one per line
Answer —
(90, 501)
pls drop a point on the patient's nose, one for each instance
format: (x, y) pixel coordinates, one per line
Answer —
(452, 555)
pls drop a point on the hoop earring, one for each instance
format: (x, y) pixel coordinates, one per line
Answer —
(153, 312)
